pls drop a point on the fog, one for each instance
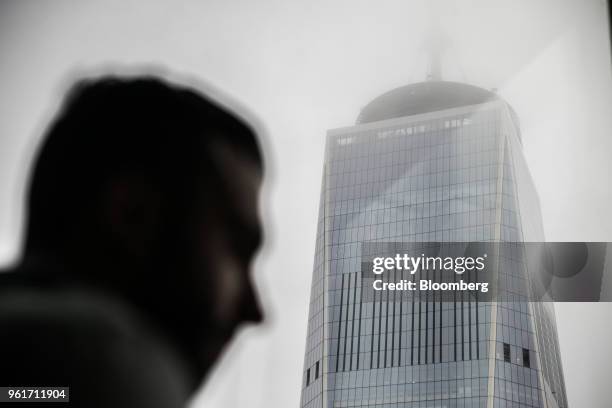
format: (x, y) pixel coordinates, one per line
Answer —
(305, 67)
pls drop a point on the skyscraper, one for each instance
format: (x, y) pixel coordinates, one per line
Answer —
(435, 161)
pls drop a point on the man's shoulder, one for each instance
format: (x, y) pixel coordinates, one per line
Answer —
(90, 341)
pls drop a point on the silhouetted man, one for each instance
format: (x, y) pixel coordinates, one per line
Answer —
(142, 222)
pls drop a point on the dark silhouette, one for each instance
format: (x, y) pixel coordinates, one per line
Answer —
(141, 225)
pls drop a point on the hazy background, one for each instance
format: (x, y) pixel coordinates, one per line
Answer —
(305, 67)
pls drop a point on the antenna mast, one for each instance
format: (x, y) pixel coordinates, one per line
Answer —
(434, 43)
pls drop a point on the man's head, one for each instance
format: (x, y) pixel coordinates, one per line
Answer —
(148, 191)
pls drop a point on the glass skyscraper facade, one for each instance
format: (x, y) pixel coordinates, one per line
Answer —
(434, 161)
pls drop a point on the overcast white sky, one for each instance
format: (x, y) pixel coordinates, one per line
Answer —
(305, 67)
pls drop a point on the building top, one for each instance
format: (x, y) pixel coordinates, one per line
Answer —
(423, 97)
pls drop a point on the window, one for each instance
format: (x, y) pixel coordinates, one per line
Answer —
(343, 141)
(317, 370)
(506, 352)
(308, 377)
(526, 361)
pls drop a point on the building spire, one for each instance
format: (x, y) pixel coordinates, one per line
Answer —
(434, 43)
(434, 68)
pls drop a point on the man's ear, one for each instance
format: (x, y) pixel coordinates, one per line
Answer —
(132, 214)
